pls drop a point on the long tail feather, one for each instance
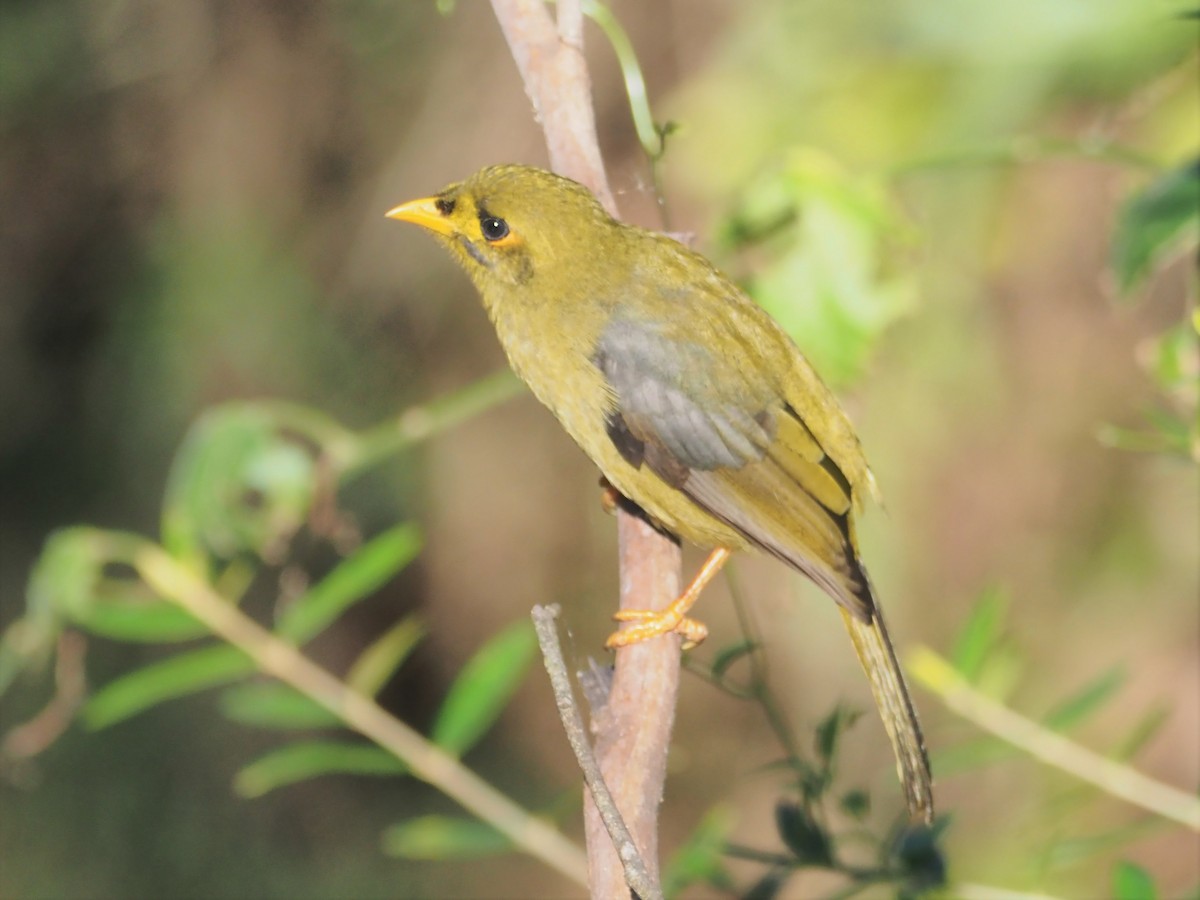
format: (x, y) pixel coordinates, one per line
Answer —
(878, 658)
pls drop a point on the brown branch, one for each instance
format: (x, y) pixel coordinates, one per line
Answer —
(637, 876)
(633, 728)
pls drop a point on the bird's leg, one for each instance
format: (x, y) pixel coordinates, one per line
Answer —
(610, 497)
(649, 623)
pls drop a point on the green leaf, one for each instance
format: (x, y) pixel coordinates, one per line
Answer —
(833, 283)
(1132, 882)
(145, 620)
(270, 704)
(1143, 730)
(1071, 852)
(309, 759)
(356, 577)
(972, 754)
(443, 838)
(1157, 224)
(980, 633)
(183, 674)
(830, 730)
(237, 484)
(699, 860)
(485, 684)
(803, 835)
(730, 655)
(376, 664)
(1090, 698)
(1174, 359)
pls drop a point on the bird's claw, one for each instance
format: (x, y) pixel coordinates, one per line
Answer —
(649, 623)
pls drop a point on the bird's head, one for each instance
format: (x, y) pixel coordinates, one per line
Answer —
(508, 224)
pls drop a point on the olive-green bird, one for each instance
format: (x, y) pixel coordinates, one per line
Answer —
(693, 402)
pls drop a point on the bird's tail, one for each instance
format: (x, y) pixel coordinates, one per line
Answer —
(878, 658)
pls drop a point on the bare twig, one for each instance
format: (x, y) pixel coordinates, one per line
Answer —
(936, 674)
(276, 657)
(70, 682)
(634, 727)
(636, 874)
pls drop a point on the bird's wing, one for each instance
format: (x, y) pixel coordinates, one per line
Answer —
(723, 434)
(780, 465)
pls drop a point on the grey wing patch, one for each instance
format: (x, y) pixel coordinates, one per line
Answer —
(658, 402)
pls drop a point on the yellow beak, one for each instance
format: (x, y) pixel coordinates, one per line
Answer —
(423, 212)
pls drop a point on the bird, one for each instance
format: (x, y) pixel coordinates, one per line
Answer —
(692, 401)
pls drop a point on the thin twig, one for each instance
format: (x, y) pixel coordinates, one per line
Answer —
(70, 683)
(937, 675)
(636, 875)
(282, 660)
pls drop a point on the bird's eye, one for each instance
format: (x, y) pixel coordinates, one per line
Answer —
(493, 229)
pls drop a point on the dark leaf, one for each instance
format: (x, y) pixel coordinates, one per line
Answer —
(768, 887)
(730, 655)
(803, 836)
(856, 804)
(1156, 224)
(830, 730)
(920, 856)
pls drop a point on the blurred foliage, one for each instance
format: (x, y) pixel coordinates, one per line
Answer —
(833, 280)
(909, 190)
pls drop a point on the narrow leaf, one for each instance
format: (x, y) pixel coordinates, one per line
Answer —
(483, 687)
(356, 577)
(186, 673)
(1143, 730)
(376, 665)
(141, 620)
(309, 759)
(1090, 698)
(270, 704)
(1071, 852)
(980, 633)
(443, 838)
(830, 730)
(730, 655)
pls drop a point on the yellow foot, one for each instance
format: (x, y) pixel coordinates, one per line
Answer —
(651, 623)
(610, 497)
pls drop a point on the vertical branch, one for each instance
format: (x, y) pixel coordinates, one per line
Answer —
(633, 728)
